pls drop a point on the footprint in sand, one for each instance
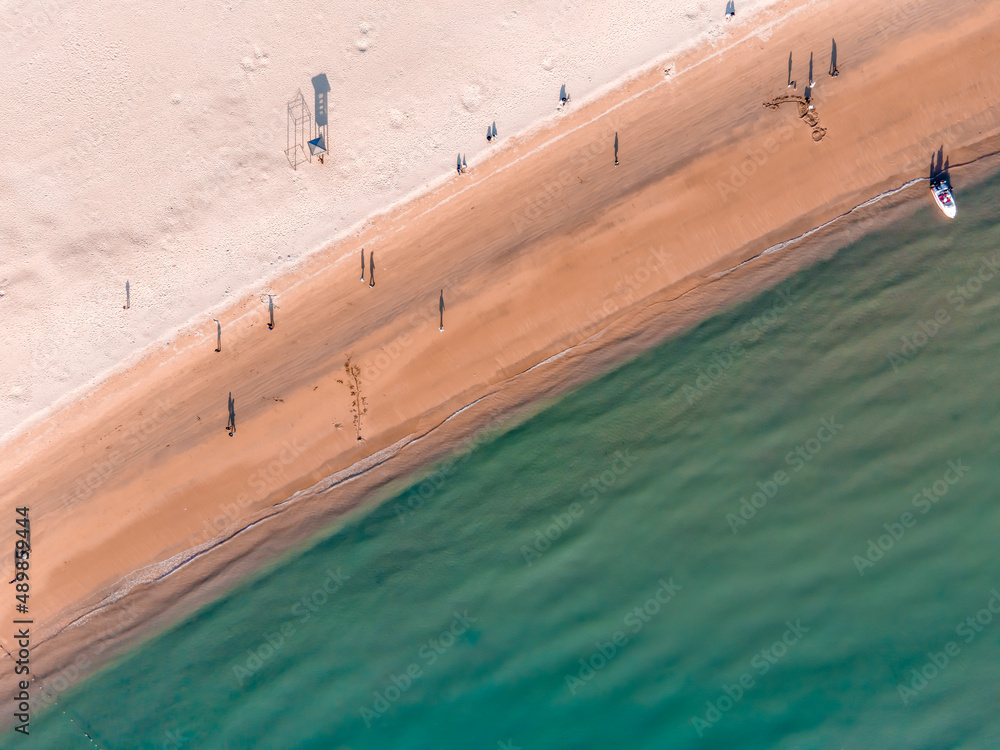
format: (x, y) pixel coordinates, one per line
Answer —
(364, 42)
(471, 98)
(397, 119)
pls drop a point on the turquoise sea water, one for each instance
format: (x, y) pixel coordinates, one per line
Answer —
(661, 611)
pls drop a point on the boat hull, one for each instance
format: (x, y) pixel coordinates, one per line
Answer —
(944, 199)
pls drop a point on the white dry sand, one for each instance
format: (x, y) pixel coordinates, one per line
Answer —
(144, 142)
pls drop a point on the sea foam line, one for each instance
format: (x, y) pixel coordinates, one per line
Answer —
(871, 201)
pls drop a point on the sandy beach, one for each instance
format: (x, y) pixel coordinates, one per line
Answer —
(551, 263)
(168, 171)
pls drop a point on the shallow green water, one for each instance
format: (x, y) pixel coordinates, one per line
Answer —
(774, 598)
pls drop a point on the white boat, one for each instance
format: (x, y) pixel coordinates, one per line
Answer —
(943, 197)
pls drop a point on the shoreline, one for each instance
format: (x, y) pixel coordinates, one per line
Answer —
(826, 245)
(690, 296)
(198, 582)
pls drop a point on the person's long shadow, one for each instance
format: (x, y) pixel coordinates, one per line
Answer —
(616, 149)
(731, 8)
(218, 336)
(231, 425)
(939, 166)
(362, 264)
(789, 68)
(808, 90)
(833, 60)
(128, 295)
(441, 310)
(270, 309)
(371, 268)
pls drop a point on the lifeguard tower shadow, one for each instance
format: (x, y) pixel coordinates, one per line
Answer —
(299, 131)
(321, 88)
